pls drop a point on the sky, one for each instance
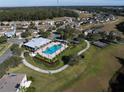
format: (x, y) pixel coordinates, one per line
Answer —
(12, 3)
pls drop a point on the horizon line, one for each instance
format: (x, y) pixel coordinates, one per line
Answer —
(59, 6)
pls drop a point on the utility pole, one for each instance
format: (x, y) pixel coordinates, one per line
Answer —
(58, 7)
(57, 2)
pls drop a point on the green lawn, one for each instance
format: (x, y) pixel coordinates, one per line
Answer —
(4, 47)
(101, 65)
(91, 74)
(74, 49)
(54, 82)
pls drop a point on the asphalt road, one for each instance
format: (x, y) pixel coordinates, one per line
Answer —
(8, 53)
(16, 41)
(5, 56)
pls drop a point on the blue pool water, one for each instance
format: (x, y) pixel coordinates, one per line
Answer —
(52, 49)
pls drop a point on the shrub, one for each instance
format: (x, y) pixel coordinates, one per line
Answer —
(26, 34)
(120, 27)
(66, 59)
(12, 62)
(3, 39)
(31, 78)
(31, 89)
(15, 49)
(26, 54)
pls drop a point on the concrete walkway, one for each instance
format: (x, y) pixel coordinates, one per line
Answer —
(84, 50)
(52, 71)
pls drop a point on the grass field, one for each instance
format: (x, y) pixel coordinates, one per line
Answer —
(91, 74)
(111, 26)
(43, 82)
(101, 65)
(85, 15)
(4, 47)
(90, 26)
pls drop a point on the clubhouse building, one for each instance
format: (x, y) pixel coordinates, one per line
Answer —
(44, 47)
(36, 43)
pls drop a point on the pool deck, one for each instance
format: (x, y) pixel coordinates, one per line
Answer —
(53, 55)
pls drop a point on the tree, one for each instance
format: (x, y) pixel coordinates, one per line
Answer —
(71, 59)
(2, 24)
(111, 36)
(28, 14)
(44, 34)
(3, 39)
(103, 35)
(26, 54)
(120, 27)
(74, 60)
(31, 78)
(66, 59)
(15, 49)
(32, 25)
(26, 34)
(67, 33)
(95, 37)
(82, 56)
(11, 62)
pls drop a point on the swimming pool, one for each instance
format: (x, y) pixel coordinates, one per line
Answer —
(52, 49)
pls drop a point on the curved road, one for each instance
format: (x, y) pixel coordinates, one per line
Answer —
(52, 71)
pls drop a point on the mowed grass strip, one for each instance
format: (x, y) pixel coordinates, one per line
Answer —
(101, 65)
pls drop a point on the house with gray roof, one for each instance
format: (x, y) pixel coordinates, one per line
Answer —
(11, 33)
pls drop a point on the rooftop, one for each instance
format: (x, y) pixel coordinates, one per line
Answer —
(9, 34)
(37, 42)
(100, 44)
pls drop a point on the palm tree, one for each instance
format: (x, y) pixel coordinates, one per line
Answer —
(62, 34)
